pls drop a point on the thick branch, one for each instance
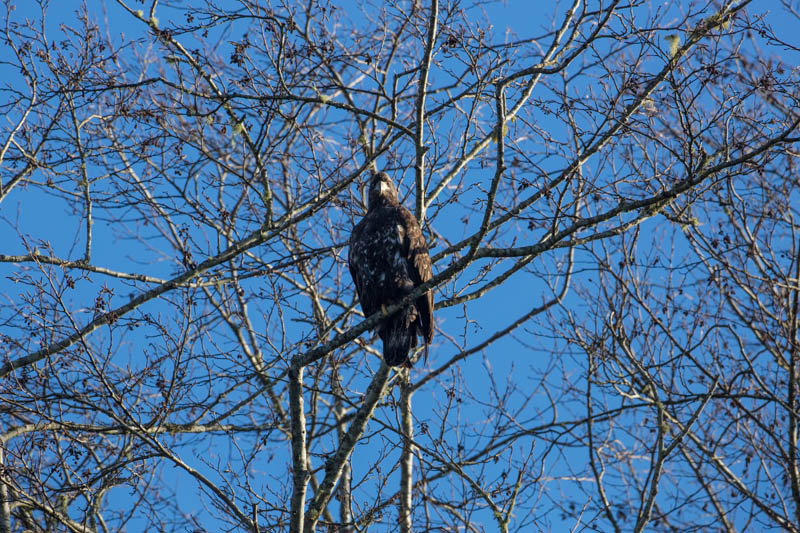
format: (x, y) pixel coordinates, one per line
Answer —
(419, 132)
(335, 464)
(299, 458)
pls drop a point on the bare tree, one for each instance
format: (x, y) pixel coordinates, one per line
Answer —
(610, 199)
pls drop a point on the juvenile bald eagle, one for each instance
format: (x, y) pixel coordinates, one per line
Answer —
(388, 258)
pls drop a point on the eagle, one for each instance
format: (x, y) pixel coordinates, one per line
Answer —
(388, 259)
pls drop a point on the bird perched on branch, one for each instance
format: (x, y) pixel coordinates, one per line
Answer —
(388, 259)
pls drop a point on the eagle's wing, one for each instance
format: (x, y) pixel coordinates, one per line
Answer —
(354, 262)
(361, 267)
(421, 270)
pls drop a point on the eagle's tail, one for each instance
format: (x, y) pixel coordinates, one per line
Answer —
(399, 335)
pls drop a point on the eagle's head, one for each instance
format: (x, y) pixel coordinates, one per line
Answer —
(381, 190)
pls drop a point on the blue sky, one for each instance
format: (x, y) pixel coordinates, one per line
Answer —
(30, 220)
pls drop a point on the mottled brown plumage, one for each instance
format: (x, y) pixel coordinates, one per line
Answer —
(388, 258)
